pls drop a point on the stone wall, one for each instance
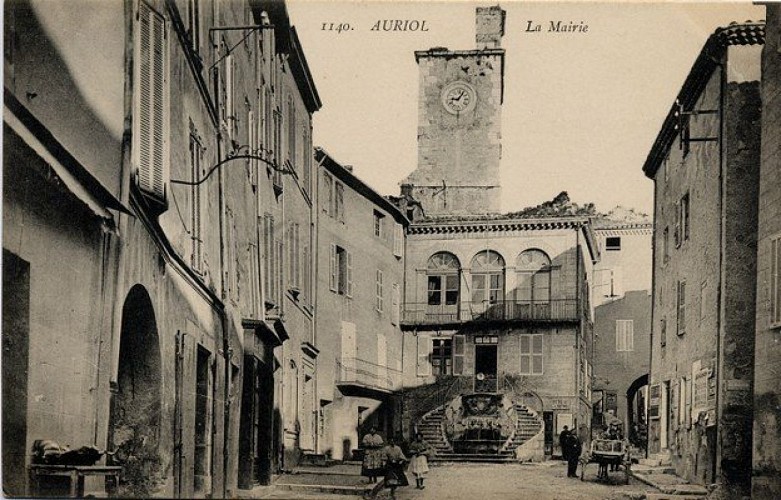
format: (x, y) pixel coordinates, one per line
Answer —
(767, 383)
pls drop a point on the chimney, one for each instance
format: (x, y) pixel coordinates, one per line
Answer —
(489, 27)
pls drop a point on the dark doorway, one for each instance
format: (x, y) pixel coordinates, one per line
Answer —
(134, 429)
(485, 368)
(16, 347)
(547, 418)
(256, 430)
(204, 379)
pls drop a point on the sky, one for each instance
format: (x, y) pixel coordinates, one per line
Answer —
(581, 110)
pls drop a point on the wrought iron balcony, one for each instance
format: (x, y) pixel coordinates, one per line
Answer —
(503, 310)
(358, 373)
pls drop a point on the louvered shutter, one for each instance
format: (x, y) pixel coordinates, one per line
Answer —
(458, 354)
(398, 240)
(151, 107)
(395, 299)
(332, 275)
(424, 355)
(349, 290)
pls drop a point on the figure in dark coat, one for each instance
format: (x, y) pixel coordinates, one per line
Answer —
(563, 441)
(572, 449)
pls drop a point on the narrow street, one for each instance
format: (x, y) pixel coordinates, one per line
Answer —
(547, 481)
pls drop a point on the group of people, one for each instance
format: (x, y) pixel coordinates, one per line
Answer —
(571, 448)
(388, 460)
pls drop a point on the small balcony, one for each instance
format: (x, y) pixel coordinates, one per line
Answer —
(559, 310)
(359, 377)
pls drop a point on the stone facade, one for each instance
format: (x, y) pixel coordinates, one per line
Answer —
(767, 385)
(704, 167)
(622, 286)
(459, 145)
(445, 340)
(360, 281)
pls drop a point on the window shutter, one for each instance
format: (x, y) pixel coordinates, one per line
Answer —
(332, 275)
(775, 282)
(395, 299)
(630, 335)
(424, 355)
(458, 354)
(620, 342)
(349, 290)
(151, 109)
(677, 225)
(398, 240)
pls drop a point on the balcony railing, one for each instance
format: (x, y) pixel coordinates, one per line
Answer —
(368, 374)
(504, 310)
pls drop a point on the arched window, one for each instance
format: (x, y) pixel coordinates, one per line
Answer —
(487, 278)
(443, 276)
(533, 277)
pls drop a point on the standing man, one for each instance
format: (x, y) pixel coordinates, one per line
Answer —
(563, 442)
(573, 448)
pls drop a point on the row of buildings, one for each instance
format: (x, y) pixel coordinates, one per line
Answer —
(712, 401)
(192, 286)
(168, 238)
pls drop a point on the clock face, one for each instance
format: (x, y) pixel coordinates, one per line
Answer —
(459, 97)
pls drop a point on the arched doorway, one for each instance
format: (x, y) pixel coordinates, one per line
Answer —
(136, 400)
(637, 427)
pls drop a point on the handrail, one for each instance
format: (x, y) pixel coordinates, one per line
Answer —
(354, 369)
(504, 309)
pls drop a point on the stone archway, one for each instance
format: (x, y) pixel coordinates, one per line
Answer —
(634, 415)
(136, 399)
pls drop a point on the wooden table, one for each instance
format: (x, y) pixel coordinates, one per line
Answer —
(76, 473)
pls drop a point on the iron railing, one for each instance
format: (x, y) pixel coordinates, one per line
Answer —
(510, 309)
(361, 371)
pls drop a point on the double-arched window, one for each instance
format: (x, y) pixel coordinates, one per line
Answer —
(487, 278)
(443, 271)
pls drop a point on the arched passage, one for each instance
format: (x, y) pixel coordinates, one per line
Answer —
(635, 411)
(136, 405)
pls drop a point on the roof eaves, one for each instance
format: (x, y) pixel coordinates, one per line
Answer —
(709, 58)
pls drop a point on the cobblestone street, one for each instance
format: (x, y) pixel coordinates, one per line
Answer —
(546, 481)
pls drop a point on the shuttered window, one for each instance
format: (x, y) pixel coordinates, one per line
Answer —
(151, 103)
(380, 303)
(459, 343)
(625, 335)
(681, 307)
(398, 240)
(775, 281)
(424, 355)
(531, 354)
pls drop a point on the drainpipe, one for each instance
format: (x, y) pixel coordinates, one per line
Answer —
(651, 334)
(720, 302)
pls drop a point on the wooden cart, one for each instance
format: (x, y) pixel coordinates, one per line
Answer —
(607, 452)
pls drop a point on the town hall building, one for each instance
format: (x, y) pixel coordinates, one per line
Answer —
(496, 317)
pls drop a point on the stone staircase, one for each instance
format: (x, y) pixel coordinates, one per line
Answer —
(526, 427)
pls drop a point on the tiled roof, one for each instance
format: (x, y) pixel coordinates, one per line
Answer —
(748, 33)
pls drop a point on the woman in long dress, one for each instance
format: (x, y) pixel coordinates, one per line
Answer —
(418, 465)
(373, 458)
(394, 467)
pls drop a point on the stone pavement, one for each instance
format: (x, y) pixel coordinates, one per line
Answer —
(545, 481)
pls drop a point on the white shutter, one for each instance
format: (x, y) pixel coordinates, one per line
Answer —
(333, 270)
(349, 289)
(398, 240)
(424, 355)
(459, 342)
(630, 335)
(151, 107)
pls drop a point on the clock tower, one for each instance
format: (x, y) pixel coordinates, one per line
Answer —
(459, 124)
